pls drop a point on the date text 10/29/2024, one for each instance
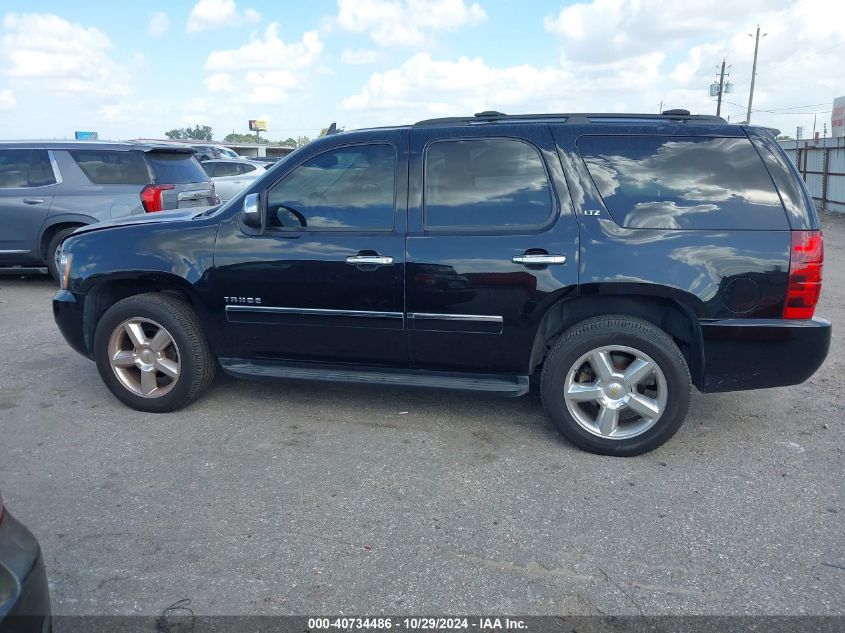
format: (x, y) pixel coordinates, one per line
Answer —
(417, 623)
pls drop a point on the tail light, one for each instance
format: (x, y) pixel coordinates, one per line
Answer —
(806, 257)
(151, 197)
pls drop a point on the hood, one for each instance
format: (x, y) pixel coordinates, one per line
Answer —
(147, 218)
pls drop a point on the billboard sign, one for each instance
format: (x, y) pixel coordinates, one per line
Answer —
(837, 117)
(86, 136)
(258, 125)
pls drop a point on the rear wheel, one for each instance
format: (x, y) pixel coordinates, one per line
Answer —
(616, 385)
(152, 354)
(52, 254)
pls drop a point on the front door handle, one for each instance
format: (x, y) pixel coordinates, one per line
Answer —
(33, 200)
(538, 259)
(369, 260)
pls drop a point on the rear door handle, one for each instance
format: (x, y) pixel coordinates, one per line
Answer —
(538, 259)
(33, 200)
(371, 260)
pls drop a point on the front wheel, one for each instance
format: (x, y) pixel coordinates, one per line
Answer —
(152, 354)
(616, 385)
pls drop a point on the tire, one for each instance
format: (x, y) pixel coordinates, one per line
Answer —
(628, 385)
(52, 247)
(142, 376)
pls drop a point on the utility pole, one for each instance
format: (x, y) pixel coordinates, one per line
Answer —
(721, 89)
(753, 72)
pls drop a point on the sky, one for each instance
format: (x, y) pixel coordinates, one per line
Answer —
(136, 70)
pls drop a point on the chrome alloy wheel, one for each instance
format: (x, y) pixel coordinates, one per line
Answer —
(144, 357)
(615, 392)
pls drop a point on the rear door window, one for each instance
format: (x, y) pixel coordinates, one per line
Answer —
(227, 169)
(175, 167)
(104, 167)
(490, 183)
(25, 168)
(655, 182)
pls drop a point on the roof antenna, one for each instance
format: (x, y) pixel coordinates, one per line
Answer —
(332, 129)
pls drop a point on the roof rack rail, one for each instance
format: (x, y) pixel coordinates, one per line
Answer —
(490, 116)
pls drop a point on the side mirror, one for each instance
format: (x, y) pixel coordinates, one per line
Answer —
(251, 214)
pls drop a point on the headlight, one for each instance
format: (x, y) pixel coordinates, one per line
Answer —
(64, 268)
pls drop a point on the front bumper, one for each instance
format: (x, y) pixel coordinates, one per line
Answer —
(69, 315)
(742, 354)
(24, 593)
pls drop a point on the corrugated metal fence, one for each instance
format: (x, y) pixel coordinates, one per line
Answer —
(822, 165)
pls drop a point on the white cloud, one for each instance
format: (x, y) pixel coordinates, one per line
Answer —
(159, 24)
(423, 86)
(219, 82)
(607, 29)
(631, 55)
(273, 68)
(214, 14)
(405, 22)
(7, 100)
(73, 58)
(359, 57)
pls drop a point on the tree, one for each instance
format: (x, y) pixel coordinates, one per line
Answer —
(196, 133)
(785, 137)
(290, 142)
(302, 140)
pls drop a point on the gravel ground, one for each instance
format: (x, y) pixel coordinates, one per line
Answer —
(276, 498)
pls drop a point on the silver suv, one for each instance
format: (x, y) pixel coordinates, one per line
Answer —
(49, 189)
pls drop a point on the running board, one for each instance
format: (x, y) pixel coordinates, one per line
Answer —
(500, 384)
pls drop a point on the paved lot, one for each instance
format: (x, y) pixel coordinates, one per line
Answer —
(271, 499)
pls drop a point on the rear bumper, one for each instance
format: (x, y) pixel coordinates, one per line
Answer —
(69, 315)
(742, 354)
(24, 593)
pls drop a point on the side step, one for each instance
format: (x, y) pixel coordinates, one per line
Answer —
(500, 384)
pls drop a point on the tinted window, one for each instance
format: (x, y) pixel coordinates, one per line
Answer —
(226, 169)
(351, 187)
(14, 168)
(25, 168)
(175, 168)
(683, 182)
(40, 169)
(103, 167)
(245, 169)
(485, 183)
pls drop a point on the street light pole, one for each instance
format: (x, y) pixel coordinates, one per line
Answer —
(721, 89)
(753, 72)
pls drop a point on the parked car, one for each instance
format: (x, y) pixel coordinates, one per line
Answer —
(24, 593)
(50, 188)
(231, 176)
(209, 152)
(267, 160)
(618, 259)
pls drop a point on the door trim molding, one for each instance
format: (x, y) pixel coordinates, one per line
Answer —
(315, 311)
(486, 318)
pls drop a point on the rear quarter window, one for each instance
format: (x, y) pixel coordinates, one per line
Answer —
(175, 168)
(104, 167)
(654, 182)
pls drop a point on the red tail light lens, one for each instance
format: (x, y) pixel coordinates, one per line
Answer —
(151, 197)
(805, 274)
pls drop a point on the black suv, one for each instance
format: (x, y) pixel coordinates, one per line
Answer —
(618, 259)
